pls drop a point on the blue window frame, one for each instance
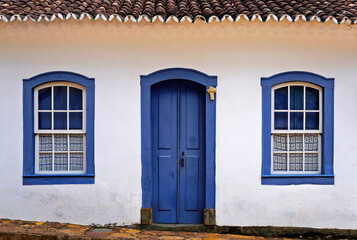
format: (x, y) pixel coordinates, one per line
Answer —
(58, 125)
(297, 113)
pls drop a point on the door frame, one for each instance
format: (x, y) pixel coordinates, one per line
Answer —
(146, 81)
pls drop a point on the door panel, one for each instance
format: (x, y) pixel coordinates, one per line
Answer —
(192, 184)
(165, 116)
(192, 117)
(165, 181)
(191, 142)
(178, 129)
(164, 142)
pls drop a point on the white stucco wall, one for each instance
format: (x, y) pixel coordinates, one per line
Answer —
(115, 54)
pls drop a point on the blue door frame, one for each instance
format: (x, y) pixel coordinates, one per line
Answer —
(146, 144)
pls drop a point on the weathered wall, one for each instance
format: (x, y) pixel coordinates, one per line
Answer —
(115, 54)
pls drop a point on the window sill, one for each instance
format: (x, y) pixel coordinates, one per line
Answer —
(49, 179)
(318, 179)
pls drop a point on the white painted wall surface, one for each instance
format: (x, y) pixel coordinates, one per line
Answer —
(115, 54)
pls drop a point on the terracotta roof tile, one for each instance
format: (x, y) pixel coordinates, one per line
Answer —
(322, 10)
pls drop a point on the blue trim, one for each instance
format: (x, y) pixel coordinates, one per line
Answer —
(327, 85)
(29, 177)
(186, 74)
(298, 180)
(58, 179)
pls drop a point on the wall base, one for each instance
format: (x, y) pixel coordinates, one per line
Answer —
(146, 216)
(209, 217)
(279, 232)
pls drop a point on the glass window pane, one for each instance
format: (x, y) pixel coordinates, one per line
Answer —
(45, 142)
(311, 162)
(76, 161)
(312, 99)
(295, 160)
(311, 142)
(279, 161)
(280, 142)
(44, 99)
(75, 99)
(295, 142)
(296, 120)
(61, 162)
(60, 98)
(44, 120)
(61, 142)
(281, 120)
(76, 142)
(60, 120)
(296, 98)
(281, 99)
(312, 121)
(75, 120)
(45, 162)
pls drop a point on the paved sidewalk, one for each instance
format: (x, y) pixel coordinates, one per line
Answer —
(25, 230)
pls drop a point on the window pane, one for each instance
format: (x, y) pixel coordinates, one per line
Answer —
(295, 162)
(296, 120)
(280, 142)
(60, 120)
(61, 142)
(75, 120)
(311, 142)
(44, 99)
(75, 99)
(295, 142)
(281, 99)
(45, 142)
(312, 120)
(311, 162)
(44, 120)
(61, 161)
(312, 99)
(296, 98)
(60, 98)
(76, 142)
(45, 162)
(279, 162)
(76, 161)
(281, 120)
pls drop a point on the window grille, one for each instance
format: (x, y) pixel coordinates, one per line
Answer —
(60, 128)
(296, 128)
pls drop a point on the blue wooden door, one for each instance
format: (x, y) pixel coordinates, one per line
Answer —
(178, 130)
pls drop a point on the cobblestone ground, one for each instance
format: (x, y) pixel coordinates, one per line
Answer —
(25, 230)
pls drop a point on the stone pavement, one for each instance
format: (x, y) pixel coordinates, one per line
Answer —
(26, 230)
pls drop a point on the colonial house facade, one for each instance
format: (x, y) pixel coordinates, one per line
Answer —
(237, 113)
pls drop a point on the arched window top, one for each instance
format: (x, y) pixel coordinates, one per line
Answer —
(58, 76)
(297, 76)
(307, 84)
(58, 84)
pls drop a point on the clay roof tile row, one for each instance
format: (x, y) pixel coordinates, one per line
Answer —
(322, 10)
